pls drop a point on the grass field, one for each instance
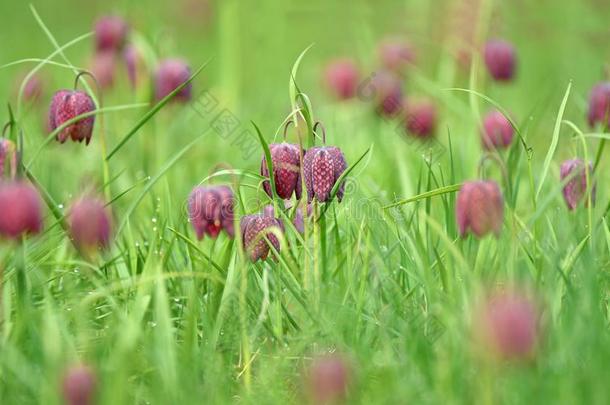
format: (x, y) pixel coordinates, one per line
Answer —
(382, 281)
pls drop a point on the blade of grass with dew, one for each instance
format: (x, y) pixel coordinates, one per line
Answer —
(198, 250)
(168, 165)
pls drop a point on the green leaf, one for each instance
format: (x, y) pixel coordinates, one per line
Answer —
(554, 140)
(292, 86)
(269, 162)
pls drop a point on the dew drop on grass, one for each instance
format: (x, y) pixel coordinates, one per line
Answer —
(154, 220)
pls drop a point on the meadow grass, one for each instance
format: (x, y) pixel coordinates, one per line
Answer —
(383, 278)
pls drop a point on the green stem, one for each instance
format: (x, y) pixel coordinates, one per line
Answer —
(598, 155)
(22, 285)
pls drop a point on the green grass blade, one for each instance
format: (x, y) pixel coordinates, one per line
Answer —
(554, 141)
(428, 194)
(153, 111)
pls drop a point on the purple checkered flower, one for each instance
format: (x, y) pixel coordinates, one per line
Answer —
(575, 189)
(67, 105)
(286, 170)
(480, 208)
(211, 211)
(322, 167)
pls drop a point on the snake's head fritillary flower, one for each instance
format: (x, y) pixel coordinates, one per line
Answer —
(322, 167)
(33, 89)
(328, 379)
(286, 170)
(20, 208)
(133, 63)
(256, 230)
(480, 208)
(500, 59)
(170, 74)
(341, 78)
(110, 33)
(103, 68)
(211, 211)
(90, 224)
(497, 131)
(67, 105)
(420, 118)
(396, 54)
(387, 93)
(575, 189)
(599, 105)
(79, 384)
(507, 325)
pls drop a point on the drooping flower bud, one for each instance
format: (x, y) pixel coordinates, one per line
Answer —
(255, 228)
(387, 93)
(341, 77)
(395, 54)
(33, 89)
(507, 326)
(420, 118)
(211, 209)
(110, 33)
(103, 67)
(90, 224)
(20, 209)
(500, 60)
(286, 170)
(575, 189)
(599, 105)
(480, 208)
(170, 74)
(328, 379)
(133, 63)
(79, 384)
(67, 105)
(322, 167)
(497, 131)
(8, 158)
